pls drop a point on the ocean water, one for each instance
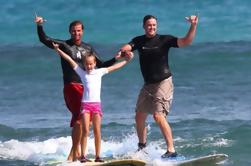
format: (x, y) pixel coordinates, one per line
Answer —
(211, 111)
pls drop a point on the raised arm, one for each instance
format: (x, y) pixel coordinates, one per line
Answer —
(121, 63)
(191, 32)
(125, 52)
(65, 56)
(108, 63)
(117, 57)
(41, 34)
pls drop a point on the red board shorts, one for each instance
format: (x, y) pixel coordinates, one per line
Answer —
(73, 93)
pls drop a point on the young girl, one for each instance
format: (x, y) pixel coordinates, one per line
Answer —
(91, 103)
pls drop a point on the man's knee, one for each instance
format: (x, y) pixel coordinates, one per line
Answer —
(158, 117)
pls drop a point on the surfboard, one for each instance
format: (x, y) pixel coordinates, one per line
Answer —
(119, 162)
(207, 160)
(204, 160)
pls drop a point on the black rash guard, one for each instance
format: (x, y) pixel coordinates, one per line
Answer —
(75, 52)
(153, 56)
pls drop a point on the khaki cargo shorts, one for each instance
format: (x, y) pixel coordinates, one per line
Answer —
(156, 97)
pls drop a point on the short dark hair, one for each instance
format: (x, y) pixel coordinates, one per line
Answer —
(147, 17)
(74, 23)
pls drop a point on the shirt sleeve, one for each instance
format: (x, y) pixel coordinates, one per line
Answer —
(172, 41)
(78, 70)
(46, 40)
(132, 43)
(104, 71)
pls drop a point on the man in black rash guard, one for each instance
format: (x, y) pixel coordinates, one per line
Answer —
(157, 93)
(73, 88)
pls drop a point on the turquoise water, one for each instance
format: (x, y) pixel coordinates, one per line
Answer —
(117, 21)
(211, 109)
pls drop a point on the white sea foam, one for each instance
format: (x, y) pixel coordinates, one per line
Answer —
(37, 152)
(56, 150)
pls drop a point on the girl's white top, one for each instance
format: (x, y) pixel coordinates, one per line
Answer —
(92, 83)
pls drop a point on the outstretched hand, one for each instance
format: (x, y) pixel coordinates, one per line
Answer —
(39, 19)
(192, 19)
(127, 55)
(55, 45)
(118, 56)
